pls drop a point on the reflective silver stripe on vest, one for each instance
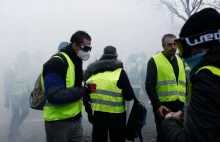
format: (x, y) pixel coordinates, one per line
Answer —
(182, 82)
(170, 93)
(103, 102)
(166, 82)
(108, 93)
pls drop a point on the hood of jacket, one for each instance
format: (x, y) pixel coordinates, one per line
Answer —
(101, 66)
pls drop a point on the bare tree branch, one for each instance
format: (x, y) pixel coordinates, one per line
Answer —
(215, 4)
(183, 4)
(193, 5)
(173, 9)
(188, 7)
(187, 10)
(197, 6)
(215, 7)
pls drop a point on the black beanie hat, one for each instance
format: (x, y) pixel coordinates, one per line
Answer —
(110, 50)
(205, 20)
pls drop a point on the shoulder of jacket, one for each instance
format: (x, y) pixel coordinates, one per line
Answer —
(58, 56)
(214, 70)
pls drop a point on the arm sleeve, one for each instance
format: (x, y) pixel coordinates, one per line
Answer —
(124, 84)
(55, 88)
(150, 84)
(202, 120)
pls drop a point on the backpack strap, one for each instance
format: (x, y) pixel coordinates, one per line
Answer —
(61, 57)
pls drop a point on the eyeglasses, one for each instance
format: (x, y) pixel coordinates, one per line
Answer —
(171, 44)
(86, 48)
(185, 45)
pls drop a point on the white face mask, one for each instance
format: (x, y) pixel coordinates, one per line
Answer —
(83, 55)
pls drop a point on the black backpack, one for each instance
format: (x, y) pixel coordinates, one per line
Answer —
(136, 121)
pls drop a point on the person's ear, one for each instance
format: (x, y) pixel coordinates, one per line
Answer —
(75, 48)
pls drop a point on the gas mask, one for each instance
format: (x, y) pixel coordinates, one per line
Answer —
(83, 55)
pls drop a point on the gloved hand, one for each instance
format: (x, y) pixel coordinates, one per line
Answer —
(90, 87)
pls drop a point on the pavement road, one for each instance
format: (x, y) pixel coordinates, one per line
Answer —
(32, 129)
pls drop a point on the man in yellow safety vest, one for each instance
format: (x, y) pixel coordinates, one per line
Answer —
(108, 101)
(166, 82)
(61, 81)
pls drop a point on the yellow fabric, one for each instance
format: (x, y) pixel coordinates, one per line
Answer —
(213, 69)
(53, 112)
(108, 97)
(167, 88)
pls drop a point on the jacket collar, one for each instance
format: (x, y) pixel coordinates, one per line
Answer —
(102, 66)
(77, 63)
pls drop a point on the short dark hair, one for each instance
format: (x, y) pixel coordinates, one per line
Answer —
(167, 36)
(79, 36)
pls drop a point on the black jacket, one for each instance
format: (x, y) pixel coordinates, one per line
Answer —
(110, 65)
(151, 81)
(203, 115)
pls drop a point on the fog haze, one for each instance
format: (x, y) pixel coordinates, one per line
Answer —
(38, 26)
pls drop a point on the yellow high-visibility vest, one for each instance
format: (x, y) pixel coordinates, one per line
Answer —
(108, 97)
(168, 89)
(213, 69)
(52, 112)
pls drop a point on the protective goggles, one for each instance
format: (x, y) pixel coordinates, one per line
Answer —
(185, 45)
(86, 48)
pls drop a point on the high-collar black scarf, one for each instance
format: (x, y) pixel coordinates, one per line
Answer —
(77, 62)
